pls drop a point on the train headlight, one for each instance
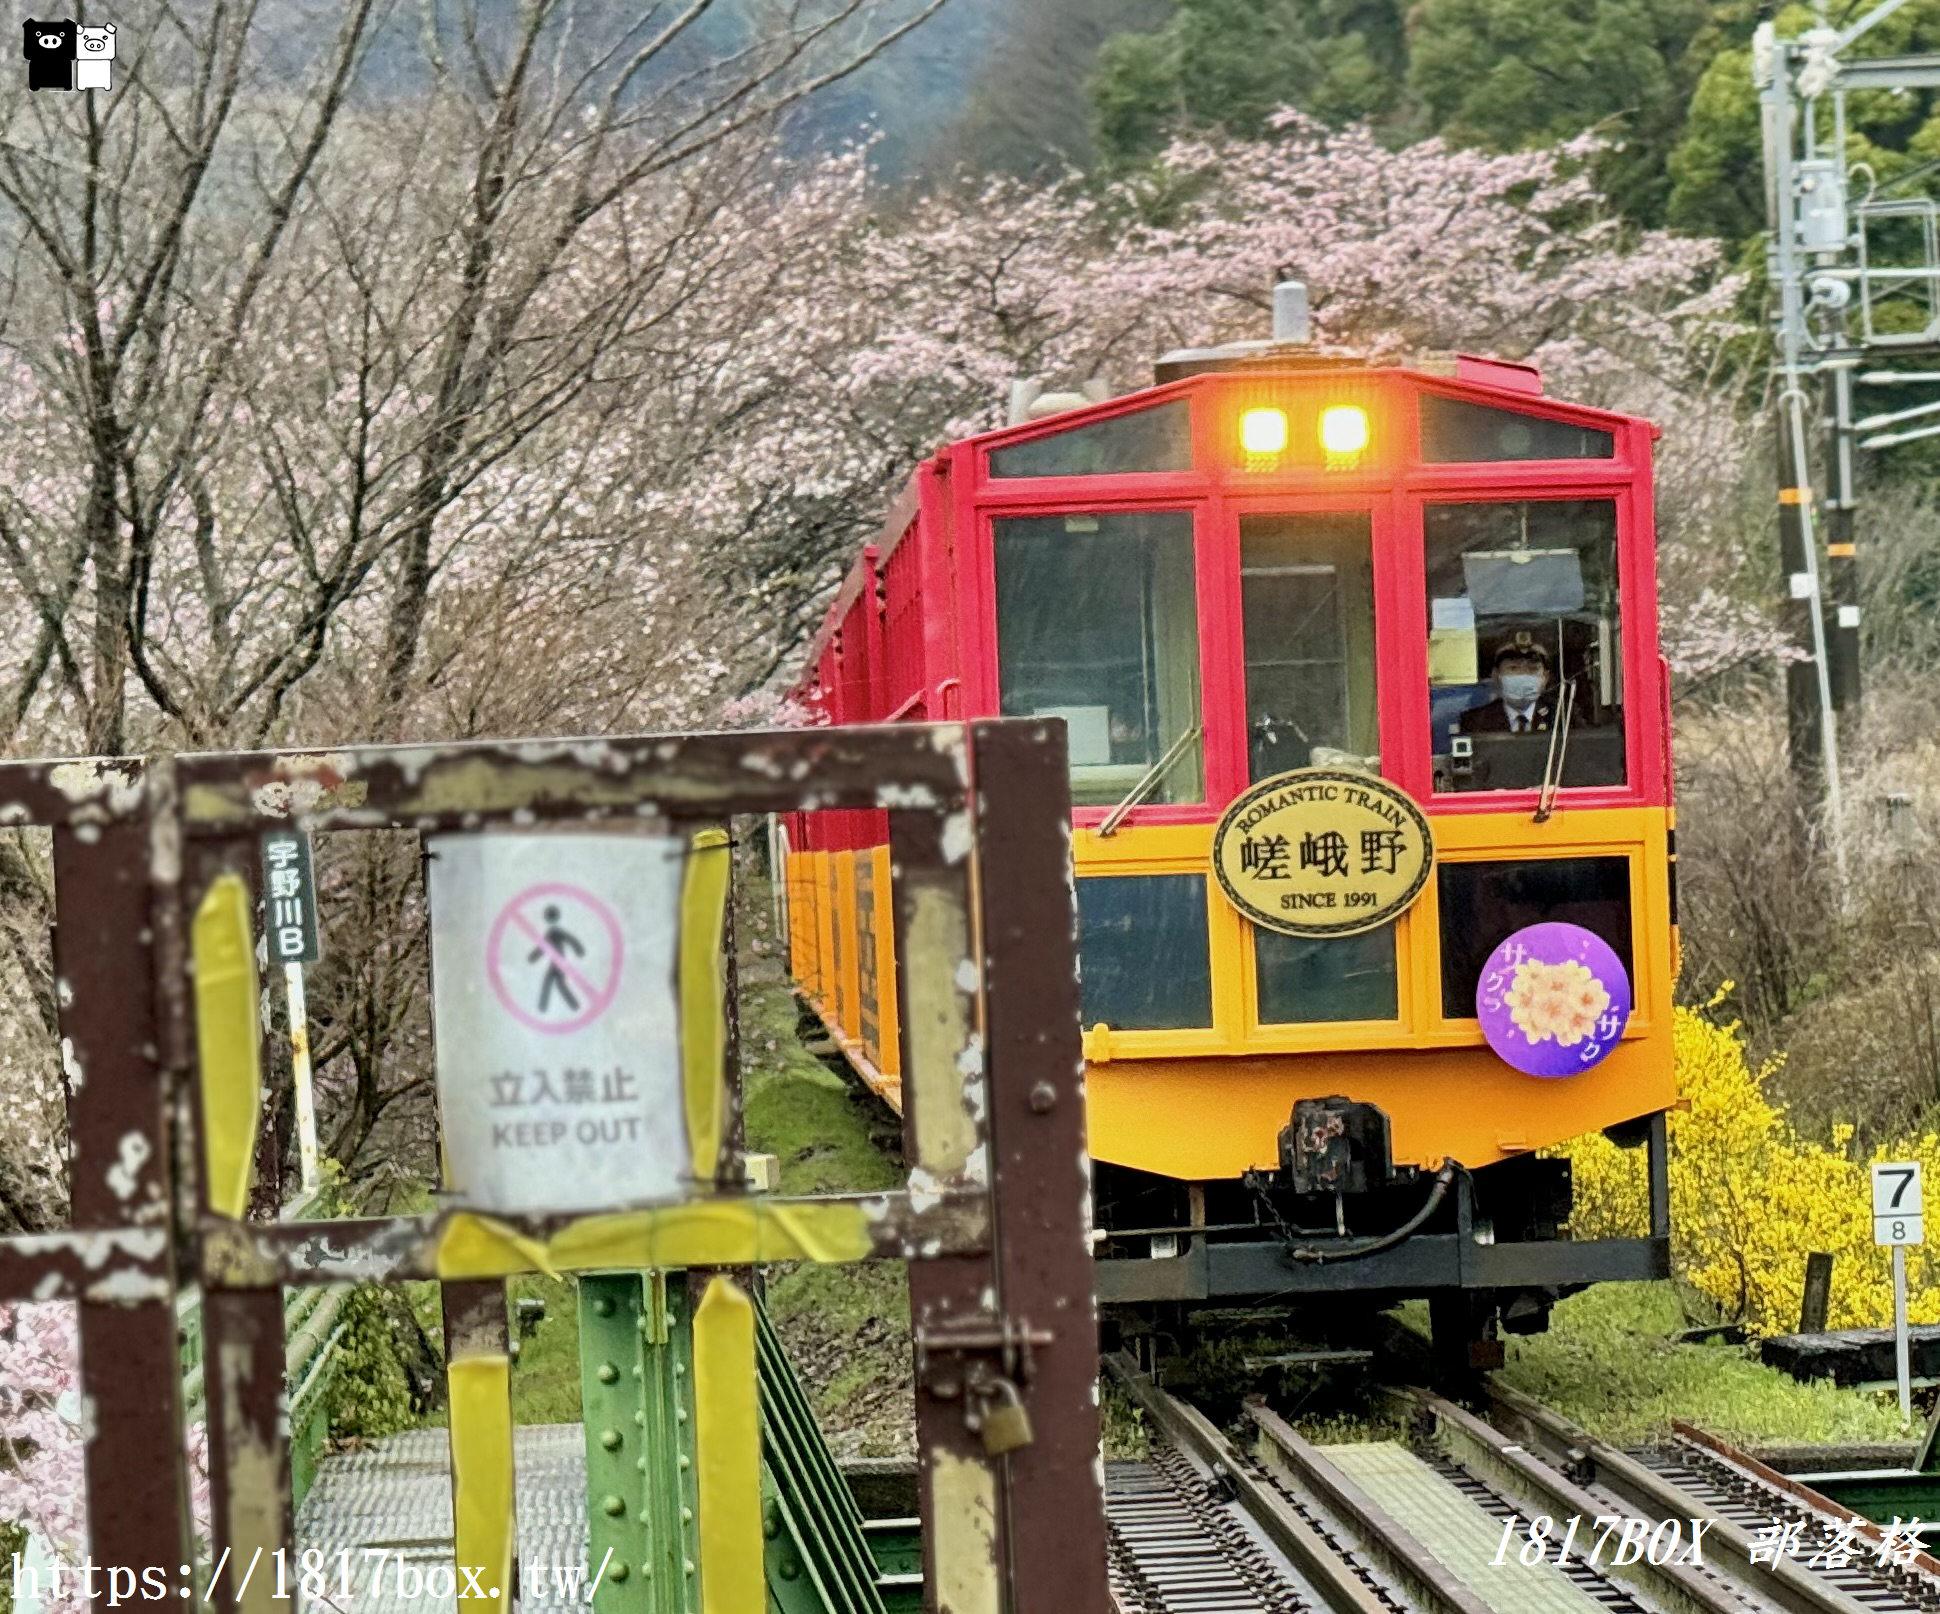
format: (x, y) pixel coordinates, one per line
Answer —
(1263, 431)
(1343, 430)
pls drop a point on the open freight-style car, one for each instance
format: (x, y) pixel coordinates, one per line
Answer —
(1275, 568)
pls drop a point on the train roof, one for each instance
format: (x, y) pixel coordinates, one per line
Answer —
(1505, 383)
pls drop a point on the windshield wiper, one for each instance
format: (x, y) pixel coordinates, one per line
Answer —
(1559, 744)
(1149, 781)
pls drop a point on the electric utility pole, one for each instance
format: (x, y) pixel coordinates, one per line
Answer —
(1843, 318)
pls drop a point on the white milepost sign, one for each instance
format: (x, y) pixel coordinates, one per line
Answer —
(1898, 1220)
(558, 1018)
(1897, 1215)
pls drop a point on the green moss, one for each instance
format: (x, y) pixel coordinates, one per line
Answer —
(821, 1128)
(846, 1327)
(1123, 1423)
(545, 1378)
(13, 1539)
(1611, 1362)
(847, 1332)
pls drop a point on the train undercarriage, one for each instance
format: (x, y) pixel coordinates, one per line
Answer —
(1489, 1249)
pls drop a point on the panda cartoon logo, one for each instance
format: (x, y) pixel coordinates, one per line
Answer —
(94, 56)
(50, 55)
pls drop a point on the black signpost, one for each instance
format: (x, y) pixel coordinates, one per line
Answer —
(290, 898)
(293, 939)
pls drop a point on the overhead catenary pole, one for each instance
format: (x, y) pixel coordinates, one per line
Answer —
(1793, 408)
(1810, 724)
(1841, 545)
(1803, 729)
(1832, 298)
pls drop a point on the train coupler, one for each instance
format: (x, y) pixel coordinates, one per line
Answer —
(1336, 1146)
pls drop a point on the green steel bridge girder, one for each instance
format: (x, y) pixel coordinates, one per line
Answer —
(636, 1360)
(813, 1527)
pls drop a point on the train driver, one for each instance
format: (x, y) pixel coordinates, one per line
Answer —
(1525, 692)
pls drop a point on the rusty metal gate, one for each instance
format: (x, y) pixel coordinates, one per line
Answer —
(993, 1222)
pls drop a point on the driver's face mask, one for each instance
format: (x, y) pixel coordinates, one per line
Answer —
(1522, 689)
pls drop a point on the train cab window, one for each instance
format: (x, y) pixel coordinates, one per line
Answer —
(1309, 980)
(1455, 431)
(1307, 591)
(1483, 904)
(1145, 440)
(1144, 963)
(1097, 623)
(1525, 644)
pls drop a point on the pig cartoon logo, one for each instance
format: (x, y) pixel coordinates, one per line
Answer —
(50, 55)
(94, 55)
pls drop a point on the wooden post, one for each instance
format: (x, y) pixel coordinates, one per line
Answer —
(1818, 1293)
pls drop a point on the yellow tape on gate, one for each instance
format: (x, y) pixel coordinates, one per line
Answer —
(727, 1446)
(228, 1041)
(704, 1233)
(483, 1521)
(703, 995)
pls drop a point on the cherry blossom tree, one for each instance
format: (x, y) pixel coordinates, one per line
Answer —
(165, 236)
(40, 1451)
(327, 412)
(42, 1485)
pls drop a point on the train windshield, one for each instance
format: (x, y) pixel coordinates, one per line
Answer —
(1525, 644)
(1455, 431)
(1097, 623)
(1307, 591)
(1145, 440)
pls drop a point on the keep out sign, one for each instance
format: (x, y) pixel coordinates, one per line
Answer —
(557, 1018)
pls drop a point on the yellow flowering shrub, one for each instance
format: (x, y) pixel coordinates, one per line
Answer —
(1750, 1198)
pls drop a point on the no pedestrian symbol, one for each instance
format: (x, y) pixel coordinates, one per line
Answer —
(556, 1005)
(555, 956)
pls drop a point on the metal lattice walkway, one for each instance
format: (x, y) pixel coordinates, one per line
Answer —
(396, 1495)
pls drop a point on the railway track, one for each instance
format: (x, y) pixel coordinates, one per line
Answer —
(1272, 1524)
(1745, 1498)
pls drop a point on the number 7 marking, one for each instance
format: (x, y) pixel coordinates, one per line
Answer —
(1610, 1523)
(1906, 1174)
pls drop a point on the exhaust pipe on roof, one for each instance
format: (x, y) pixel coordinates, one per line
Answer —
(1291, 324)
(1292, 330)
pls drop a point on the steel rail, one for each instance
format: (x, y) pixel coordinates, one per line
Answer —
(1796, 1490)
(1286, 1454)
(1191, 1431)
(1783, 1582)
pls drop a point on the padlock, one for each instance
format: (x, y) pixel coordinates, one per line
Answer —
(1006, 1424)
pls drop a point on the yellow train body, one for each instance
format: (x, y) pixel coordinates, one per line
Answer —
(1209, 1103)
